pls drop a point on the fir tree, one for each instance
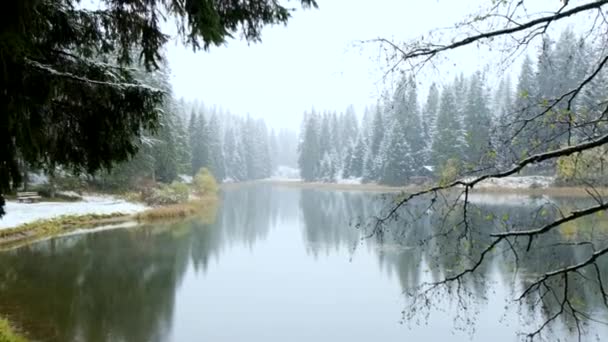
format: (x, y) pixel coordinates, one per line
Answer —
(214, 148)
(309, 148)
(200, 153)
(503, 107)
(477, 122)
(429, 120)
(274, 150)
(407, 114)
(68, 93)
(525, 135)
(449, 140)
(399, 160)
(371, 167)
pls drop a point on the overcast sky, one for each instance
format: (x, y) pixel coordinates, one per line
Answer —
(312, 61)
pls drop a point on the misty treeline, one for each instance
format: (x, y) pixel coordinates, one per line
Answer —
(463, 127)
(192, 136)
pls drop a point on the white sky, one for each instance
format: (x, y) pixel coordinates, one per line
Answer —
(313, 62)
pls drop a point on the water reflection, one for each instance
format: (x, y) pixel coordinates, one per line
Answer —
(123, 285)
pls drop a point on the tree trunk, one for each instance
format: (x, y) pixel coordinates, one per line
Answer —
(52, 189)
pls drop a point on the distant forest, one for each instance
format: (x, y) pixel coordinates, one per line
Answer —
(192, 136)
(461, 128)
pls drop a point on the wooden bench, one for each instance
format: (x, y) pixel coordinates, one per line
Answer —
(28, 197)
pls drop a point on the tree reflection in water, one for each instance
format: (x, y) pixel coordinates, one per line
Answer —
(121, 285)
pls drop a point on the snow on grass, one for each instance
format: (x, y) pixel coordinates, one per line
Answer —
(355, 181)
(286, 173)
(20, 213)
(186, 179)
(37, 179)
(512, 200)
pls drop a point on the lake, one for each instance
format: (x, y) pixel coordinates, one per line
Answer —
(285, 264)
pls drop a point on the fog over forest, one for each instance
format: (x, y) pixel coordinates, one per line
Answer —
(455, 128)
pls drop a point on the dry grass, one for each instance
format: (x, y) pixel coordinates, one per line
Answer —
(171, 211)
(44, 228)
(201, 206)
(205, 208)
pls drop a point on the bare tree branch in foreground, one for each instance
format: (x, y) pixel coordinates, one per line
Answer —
(554, 285)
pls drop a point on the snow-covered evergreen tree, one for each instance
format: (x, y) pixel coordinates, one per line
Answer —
(522, 134)
(477, 122)
(199, 143)
(327, 169)
(399, 161)
(449, 141)
(350, 127)
(503, 107)
(214, 147)
(371, 166)
(274, 150)
(309, 149)
(407, 115)
(429, 120)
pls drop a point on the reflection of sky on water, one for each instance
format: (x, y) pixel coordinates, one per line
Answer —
(277, 265)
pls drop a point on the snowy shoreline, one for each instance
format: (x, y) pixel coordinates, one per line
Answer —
(507, 183)
(20, 213)
(524, 186)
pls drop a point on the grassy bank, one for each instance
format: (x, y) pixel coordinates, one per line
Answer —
(206, 206)
(50, 227)
(200, 206)
(8, 334)
(33, 231)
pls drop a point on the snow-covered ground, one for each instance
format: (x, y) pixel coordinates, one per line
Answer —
(517, 182)
(185, 179)
(516, 200)
(355, 181)
(286, 173)
(19, 213)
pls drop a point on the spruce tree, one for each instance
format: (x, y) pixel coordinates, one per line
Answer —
(399, 160)
(164, 150)
(274, 150)
(262, 151)
(503, 107)
(214, 148)
(429, 120)
(449, 140)
(371, 167)
(68, 95)
(526, 135)
(477, 122)
(200, 153)
(407, 114)
(350, 127)
(309, 149)
(358, 157)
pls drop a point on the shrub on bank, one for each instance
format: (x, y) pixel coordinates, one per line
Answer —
(7, 334)
(587, 167)
(173, 193)
(450, 171)
(205, 184)
(204, 208)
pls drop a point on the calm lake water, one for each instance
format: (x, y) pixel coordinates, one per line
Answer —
(279, 264)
